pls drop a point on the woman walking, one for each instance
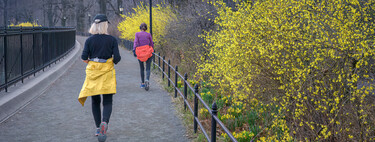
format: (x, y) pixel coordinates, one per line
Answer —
(100, 53)
(142, 49)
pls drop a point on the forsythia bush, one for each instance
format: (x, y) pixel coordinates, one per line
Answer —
(161, 17)
(309, 63)
(27, 24)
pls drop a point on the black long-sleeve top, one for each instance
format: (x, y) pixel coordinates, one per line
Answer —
(101, 46)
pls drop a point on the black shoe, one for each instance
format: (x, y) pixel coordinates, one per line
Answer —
(147, 83)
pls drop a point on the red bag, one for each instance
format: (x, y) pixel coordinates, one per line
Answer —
(144, 52)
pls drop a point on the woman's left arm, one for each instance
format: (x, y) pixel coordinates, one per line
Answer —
(86, 52)
(116, 53)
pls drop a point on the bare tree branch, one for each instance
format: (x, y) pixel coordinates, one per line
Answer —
(117, 11)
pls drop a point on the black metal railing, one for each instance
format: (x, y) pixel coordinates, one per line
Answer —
(128, 44)
(25, 51)
(197, 98)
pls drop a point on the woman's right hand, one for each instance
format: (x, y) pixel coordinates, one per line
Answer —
(86, 61)
(135, 55)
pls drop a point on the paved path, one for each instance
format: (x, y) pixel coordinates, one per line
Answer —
(56, 115)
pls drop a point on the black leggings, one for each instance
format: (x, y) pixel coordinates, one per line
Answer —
(142, 66)
(107, 108)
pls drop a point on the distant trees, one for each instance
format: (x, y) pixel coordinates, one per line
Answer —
(61, 12)
(82, 10)
(58, 11)
(103, 6)
(76, 12)
(66, 7)
(162, 16)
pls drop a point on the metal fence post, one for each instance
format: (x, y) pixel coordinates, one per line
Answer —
(169, 72)
(21, 49)
(56, 46)
(153, 59)
(195, 108)
(213, 123)
(185, 89)
(175, 82)
(159, 59)
(43, 48)
(126, 44)
(50, 41)
(163, 68)
(34, 49)
(5, 60)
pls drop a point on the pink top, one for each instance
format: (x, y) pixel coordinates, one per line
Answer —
(143, 38)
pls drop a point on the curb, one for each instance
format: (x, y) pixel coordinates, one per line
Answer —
(13, 101)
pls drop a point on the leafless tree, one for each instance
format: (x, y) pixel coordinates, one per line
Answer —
(4, 4)
(103, 6)
(65, 8)
(114, 8)
(50, 10)
(81, 11)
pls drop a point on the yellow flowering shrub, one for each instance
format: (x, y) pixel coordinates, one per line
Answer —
(311, 60)
(204, 113)
(244, 136)
(161, 17)
(26, 24)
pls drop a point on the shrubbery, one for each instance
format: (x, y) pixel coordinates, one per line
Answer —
(279, 70)
(162, 16)
(25, 24)
(303, 70)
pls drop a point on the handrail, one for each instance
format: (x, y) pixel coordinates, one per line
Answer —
(196, 120)
(202, 128)
(213, 112)
(27, 50)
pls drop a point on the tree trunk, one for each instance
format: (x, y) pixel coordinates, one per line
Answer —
(5, 12)
(50, 14)
(80, 16)
(17, 17)
(103, 6)
(135, 3)
(64, 4)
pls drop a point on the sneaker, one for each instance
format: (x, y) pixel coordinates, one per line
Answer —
(142, 85)
(147, 83)
(97, 131)
(103, 132)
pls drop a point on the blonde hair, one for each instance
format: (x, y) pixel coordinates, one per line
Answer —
(99, 28)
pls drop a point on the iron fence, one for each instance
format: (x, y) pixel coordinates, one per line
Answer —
(128, 44)
(25, 51)
(197, 98)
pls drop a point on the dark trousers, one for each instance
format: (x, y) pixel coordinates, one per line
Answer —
(142, 67)
(107, 108)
